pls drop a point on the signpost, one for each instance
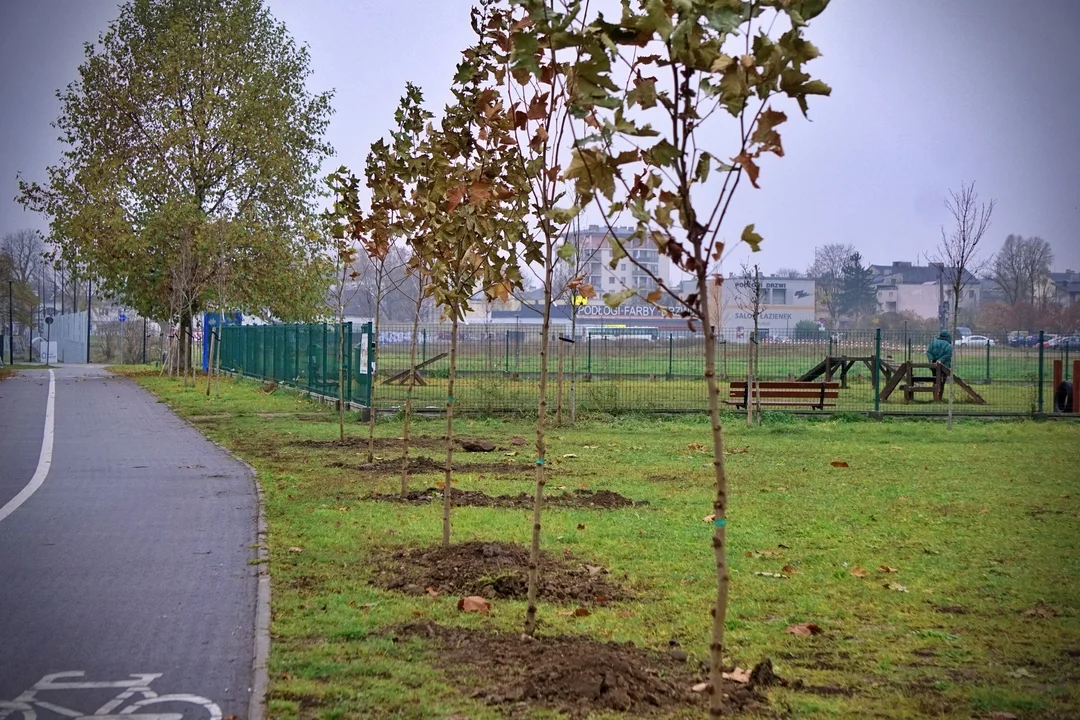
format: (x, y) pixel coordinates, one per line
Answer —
(123, 319)
(48, 340)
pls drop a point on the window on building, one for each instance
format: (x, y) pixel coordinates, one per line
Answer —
(890, 307)
(611, 280)
(971, 294)
(779, 296)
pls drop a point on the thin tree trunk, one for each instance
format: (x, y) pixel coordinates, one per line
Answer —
(449, 468)
(559, 387)
(573, 365)
(210, 365)
(411, 383)
(749, 381)
(949, 378)
(374, 361)
(541, 450)
(341, 376)
(719, 539)
(217, 364)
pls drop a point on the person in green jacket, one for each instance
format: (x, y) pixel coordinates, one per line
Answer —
(940, 349)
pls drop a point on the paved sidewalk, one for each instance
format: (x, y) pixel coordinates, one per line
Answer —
(131, 557)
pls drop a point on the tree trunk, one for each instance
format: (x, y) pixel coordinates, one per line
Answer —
(719, 539)
(210, 365)
(949, 379)
(341, 376)
(749, 381)
(449, 468)
(573, 365)
(374, 361)
(541, 449)
(411, 383)
(559, 386)
(183, 355)
(217, 364)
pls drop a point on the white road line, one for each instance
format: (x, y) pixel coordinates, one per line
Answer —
(44, 460)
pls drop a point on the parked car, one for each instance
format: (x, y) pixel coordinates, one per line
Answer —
(1072, 342)
(976, 341)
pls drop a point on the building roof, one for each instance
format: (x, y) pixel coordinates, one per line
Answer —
(907, 273)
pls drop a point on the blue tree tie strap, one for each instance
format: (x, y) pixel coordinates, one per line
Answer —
(722, 522)
(539, 461)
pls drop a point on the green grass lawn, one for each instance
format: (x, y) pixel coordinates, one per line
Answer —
(981, 523)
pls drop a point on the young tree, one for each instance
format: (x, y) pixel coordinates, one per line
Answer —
(680, 62)
(827, 271)
(477, 195)
(749, 297)
(188, 114)
(958, 251)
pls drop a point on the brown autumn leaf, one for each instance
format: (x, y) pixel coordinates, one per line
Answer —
(602, 599)
(788, 569)
(295, 549)
(887, 569)
(710, 518)
(738, 675)
(695, 447)
(701, 687)
(432, 591)
(582, 612)
(737, 451)
(897, 587)
(624, 614)
(858, 572)
(839, 464)
(805, 629)
(453, 197)
(1040, 610)
(474, 603)
(581, 526)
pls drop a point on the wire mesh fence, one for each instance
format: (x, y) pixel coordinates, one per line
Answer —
(631, 369)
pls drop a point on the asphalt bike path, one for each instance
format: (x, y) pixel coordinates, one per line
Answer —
(125, 583)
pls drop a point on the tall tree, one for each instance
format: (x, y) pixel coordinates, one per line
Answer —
(682, 63)
(192, 144)
(958, 253)
(26, 253)
(789, 273)
(827, 270)
(856, 293)
(1021, 270)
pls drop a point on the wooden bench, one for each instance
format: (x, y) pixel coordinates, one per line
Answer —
(816, 395)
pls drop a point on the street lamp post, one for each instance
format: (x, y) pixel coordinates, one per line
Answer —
(11, 324)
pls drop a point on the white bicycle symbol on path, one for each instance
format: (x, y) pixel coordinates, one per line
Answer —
(23, 707)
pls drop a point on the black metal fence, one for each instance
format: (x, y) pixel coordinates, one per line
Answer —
(621, 369)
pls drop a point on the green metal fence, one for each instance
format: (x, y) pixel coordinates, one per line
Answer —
(612, 369)
(314, 358)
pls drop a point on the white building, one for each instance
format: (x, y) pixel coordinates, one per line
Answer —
(595, 253)
(784, 303)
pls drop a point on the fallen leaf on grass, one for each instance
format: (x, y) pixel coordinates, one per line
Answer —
(737, 451)
(295, 549)
(594, 570)
(512, 453)
(788, 569)
(897, 447)
(701, 687)
(1020, 673)
(805, 629)
(738, 675)
(764, 554)
(474, 603)
(624, 613)
(887, 569)
(985, 511)
(581, 526)
(895, 586)
(695, 447)
(602, 599)
(569, 455)
(432, 591)
(591, 447)
(772, 575)
(839, 464)
(858, 572)
(582, 612)
(709, 518)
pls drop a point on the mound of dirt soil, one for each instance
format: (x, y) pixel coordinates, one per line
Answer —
(597, 500)
(430, 442)
(576, 675)
(492, 570)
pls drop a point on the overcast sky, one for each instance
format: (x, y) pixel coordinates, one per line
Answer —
(926, 94)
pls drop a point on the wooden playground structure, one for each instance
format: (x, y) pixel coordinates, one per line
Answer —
(909, 382)
(833, 364)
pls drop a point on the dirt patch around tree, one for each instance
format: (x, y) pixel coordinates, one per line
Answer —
(576, 675)
(586, 499)
(493, 570)
(422, 464)
(427, 442)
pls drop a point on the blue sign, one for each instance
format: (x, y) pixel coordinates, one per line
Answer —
(212, 321)
(123, 317)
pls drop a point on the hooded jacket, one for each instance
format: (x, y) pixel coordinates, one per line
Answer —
(940, 349)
